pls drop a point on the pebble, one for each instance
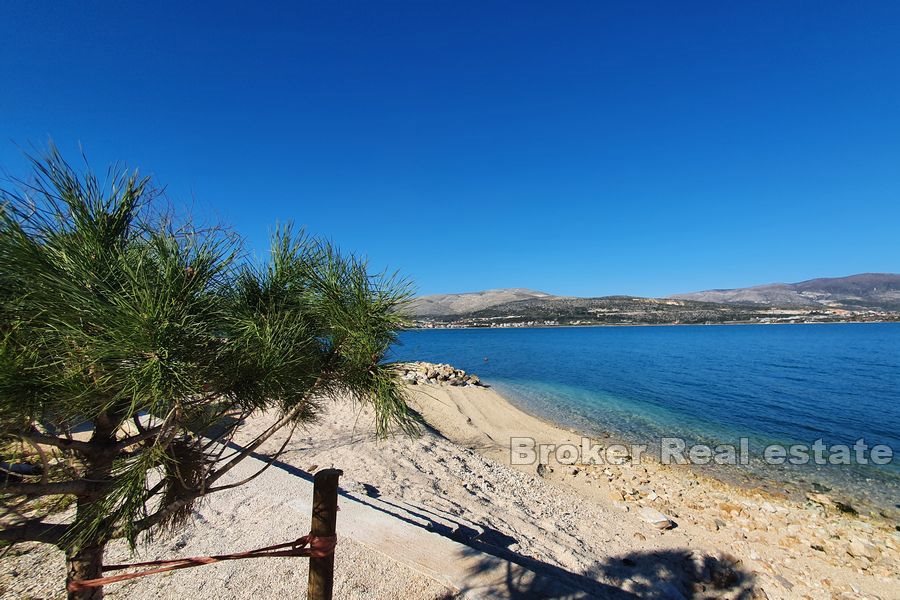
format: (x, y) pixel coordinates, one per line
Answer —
(862, 549)
(655, 518)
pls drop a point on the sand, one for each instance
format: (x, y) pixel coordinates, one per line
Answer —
(584, 523)
(784, 548)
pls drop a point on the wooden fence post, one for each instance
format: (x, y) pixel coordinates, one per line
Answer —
(324, 519)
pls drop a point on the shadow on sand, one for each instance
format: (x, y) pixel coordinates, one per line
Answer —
(674, 574)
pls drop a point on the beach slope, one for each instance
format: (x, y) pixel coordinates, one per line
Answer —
(585, 528)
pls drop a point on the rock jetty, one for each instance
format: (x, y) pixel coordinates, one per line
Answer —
(425, 373)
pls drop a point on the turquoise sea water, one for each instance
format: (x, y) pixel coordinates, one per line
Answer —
(783, 384)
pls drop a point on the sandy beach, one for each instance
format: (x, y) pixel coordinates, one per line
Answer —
(587, 523)
(788, 549)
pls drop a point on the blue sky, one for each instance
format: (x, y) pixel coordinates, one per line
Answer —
(578, 148)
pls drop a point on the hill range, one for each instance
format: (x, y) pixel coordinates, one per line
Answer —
(863, 297)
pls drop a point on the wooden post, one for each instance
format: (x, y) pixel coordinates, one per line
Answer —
(324, 519)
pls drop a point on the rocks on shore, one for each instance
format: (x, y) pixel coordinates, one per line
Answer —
(786, 541)
(655, 518)
(437, 374)
(829, 502)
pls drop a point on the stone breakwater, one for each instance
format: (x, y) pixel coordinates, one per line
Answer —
(424, 373)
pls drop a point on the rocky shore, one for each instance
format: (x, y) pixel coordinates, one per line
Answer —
(815, 546)
(416, 373)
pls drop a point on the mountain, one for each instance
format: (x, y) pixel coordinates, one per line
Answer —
(446, 305)
(873, 291)
(623, 310)
(864, 297)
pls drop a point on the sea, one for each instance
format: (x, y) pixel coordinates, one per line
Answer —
(826, 386)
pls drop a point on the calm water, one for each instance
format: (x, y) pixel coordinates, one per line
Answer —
(709, 384)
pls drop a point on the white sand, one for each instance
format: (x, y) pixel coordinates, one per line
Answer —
(728, 543)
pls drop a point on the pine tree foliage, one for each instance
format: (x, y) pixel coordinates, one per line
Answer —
(133, 348)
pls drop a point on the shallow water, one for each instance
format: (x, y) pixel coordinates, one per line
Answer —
(787, 384)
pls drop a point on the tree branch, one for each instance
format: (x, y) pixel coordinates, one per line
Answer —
(159, 515)
(36, 437)
(34, 531)
(76, 488)
(165, 511)
(268, 464)
(249, 449)
(134, 439)
(45, 464)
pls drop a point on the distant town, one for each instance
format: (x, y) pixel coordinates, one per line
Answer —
(778, 316)
(871, 297)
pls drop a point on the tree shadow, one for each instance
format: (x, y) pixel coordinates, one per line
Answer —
(662, 575)
(503, 573)
(672, 574)
(676, 574)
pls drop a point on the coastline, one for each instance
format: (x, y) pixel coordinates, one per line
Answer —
(773, 387)
(796, 488)
(786, 538)
(589, 522)
(721, 324)
(506, 419)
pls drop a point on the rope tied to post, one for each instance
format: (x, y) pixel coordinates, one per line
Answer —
(310, 546)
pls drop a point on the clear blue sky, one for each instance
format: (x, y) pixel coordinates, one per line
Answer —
(578, 148)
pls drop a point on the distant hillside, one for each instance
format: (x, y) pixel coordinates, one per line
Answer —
(447, 305)
(875, 291)
(866, 297)
(617, 310)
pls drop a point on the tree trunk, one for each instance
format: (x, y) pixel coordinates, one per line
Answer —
(85, 563)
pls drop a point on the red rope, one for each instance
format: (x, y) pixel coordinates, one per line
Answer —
(309, 546)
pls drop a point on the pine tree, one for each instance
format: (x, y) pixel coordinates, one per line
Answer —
(160, 339)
